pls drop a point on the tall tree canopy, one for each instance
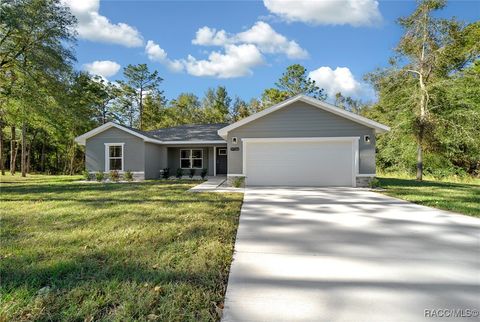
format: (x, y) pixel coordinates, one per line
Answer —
(415, 96)
(293, 81)
(36, 38)
(140, 81)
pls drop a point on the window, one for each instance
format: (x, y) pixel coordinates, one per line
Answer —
(114, 156)
(234, 140)
(191, 159)
(222, 151)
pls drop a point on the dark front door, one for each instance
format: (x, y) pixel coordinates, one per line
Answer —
(221, 160)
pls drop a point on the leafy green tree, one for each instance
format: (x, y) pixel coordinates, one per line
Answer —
(272, 96)
(140, 81)
(428, 48)
(293, 81)
(155, 111)
(35, 52)
(430, 129)
(216, 105)
(348, 103)
(255, 106)
(240, 109)
(185, 109)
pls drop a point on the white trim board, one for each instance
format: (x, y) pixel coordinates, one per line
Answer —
(190, 158)
(82, 139)
(379, 128)
(107, 155)
(194, 142)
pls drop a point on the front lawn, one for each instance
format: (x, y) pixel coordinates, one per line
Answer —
(458, 197)
(75, 251)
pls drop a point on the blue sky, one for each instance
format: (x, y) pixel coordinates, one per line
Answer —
(252, 42)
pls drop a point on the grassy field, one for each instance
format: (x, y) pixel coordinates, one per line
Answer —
(75, 251)
(458, 196)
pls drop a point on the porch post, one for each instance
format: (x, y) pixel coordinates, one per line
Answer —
(214, 161)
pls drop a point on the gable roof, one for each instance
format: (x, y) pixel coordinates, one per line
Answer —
(190, 132)
(184, 134)
(145, 136)
(379, 128)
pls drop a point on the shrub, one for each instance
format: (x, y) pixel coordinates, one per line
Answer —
(374, 183)
(128, 175)
(179, 174)
(99, 176)
(203, 174)
(166, 173)
(238, 182)
(86, 175)
(191, 173)
(114, 175)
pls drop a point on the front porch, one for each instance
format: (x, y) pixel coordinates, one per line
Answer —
(196, 158)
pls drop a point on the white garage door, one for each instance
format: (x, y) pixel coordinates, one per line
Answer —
(299, 163)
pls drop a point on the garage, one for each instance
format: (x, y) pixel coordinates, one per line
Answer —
(300, 161)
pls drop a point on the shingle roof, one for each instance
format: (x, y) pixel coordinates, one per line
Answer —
(191, 132)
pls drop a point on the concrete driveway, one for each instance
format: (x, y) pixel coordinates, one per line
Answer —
(342, 254)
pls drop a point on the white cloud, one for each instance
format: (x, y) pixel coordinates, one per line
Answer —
(340, 80)
(95, 27)
(261, 34)
(103, 68)
(158, 54)
(270, 41)
(207, 36)
(238, 60)
(240, 52)
(327, 12)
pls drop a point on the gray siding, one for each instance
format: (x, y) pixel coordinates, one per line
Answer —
(134, 150)
(155, 160)
(302, 120)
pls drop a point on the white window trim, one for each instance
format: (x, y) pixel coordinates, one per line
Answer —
(220, 149)
(107, 155)
(353, 139)
(190, 158)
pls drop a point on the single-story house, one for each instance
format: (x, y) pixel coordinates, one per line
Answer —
(299, 142)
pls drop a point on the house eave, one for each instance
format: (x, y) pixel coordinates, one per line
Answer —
(82, 139)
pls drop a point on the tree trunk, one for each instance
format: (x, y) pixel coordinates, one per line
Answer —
(57, 161)
(13, 151)
(30, 158)
(104, 114)
(42, 156)
(141, 108)
(23, 157)
(420, 154)
(72, 159)
(2, 162)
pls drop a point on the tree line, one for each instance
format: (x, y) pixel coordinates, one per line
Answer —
(429, 94)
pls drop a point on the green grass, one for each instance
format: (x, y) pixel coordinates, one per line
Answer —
(113, 252)
(462, 197)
